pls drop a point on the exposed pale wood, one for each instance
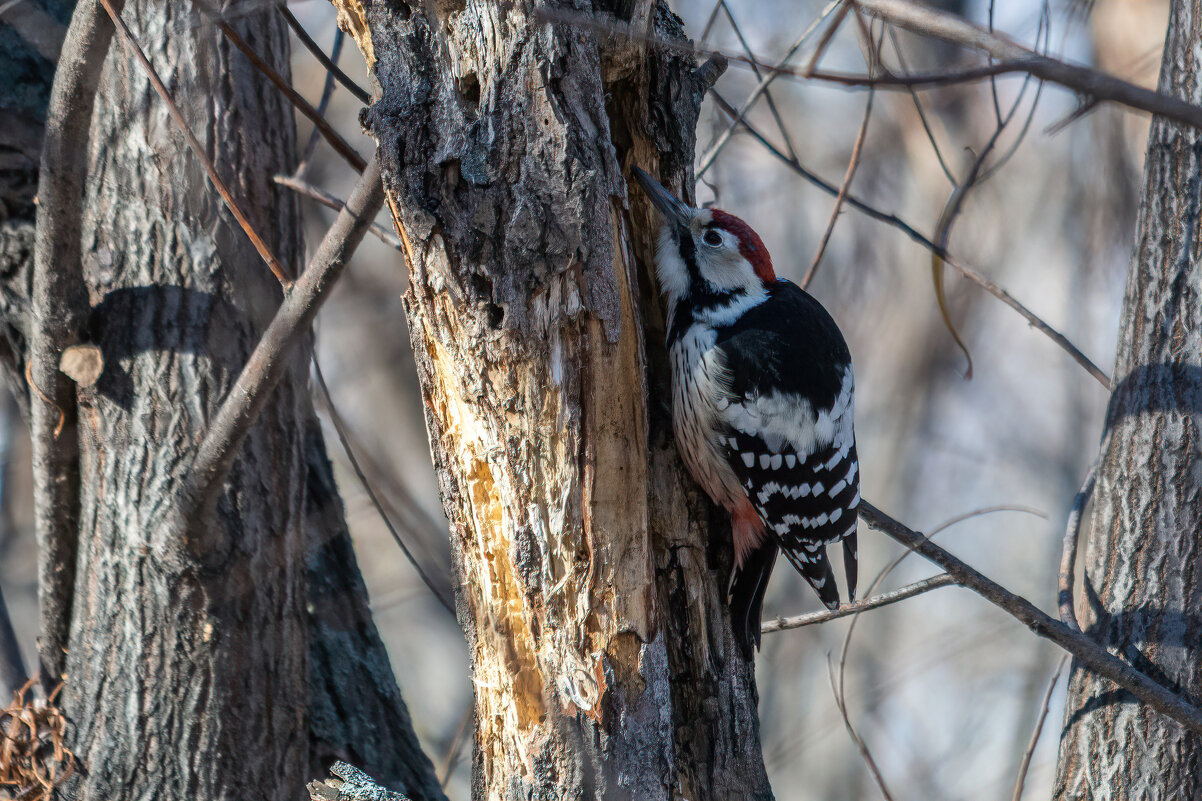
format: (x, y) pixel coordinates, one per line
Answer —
(590, 573)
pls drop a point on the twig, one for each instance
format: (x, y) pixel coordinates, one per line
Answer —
(913, 233)
(323, 105)
(919, 80)
(271, 356)
(1035, 320)
(303, 187)
(1068, 554)
(765, 82)
(852, 164)
(922, 116)
(58, 311)
(1024, 764)
(13, 674)
(340, 430)
(875, 602)
(755, 67)
(452, 759)
(340, 145)
(927, 20)
(355, 89)
(131, 45)
(825, 41)
(841, 703)
(946, 524)
(1087, 652)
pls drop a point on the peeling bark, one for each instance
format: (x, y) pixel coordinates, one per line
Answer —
(1143, 563)
(590, 587)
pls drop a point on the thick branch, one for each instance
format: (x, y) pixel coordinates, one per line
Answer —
(269, 360)
(59, 309)
(1083, 649)
(1094, 85)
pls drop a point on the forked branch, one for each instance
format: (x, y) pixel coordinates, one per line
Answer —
(1091, 84)
(1084, 650)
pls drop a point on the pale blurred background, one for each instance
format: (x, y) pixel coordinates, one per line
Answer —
(943, 688)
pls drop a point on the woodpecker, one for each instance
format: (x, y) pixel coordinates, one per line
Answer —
(762, 403)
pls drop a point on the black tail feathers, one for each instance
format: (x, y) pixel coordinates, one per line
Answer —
(816, 569)
(746, 596)
(851, 564)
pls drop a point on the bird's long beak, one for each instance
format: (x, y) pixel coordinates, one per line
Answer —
(674, 211)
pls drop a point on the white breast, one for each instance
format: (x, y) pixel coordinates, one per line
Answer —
(699, 398)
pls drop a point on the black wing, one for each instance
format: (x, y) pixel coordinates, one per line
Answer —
(782, 355)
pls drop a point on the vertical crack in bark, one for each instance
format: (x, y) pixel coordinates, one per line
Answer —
(589, 591)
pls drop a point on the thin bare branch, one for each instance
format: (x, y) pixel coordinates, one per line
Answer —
(861, 746)
(825, 41)
(929, 21)
(913, 233)
(331, 68)
(852, 164)
(875, 602)
(340, 429)
(323, 105)
(303, 187)
(1035, 320)
(839, 689)
(944, 526)
(1068, 553)
(924, 19)
(1024, 764)
(132, 46)
(340, 145)
(1084, 650)
(708, 158)
(919, 80)
(456, 749)
(755, 66)
(708, 28)
(57, 317)
(271, 356)
(922, 116)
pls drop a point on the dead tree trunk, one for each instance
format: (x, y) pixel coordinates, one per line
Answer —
(590, 589)
(231, 681)
(1144, 564)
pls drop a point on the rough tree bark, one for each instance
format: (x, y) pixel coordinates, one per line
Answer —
(1143, 563)
(590, 589)
(247, 677)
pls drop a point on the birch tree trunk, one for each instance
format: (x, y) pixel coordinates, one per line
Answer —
(244, 678)
(1144, 559)
(590, 573)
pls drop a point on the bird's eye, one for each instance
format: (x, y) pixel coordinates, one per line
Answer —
(712, 238)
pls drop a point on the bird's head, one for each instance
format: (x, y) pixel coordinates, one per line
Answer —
(707, 255)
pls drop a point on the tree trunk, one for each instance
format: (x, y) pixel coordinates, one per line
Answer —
(1143, 565)
(590, 588)
(236, 680)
